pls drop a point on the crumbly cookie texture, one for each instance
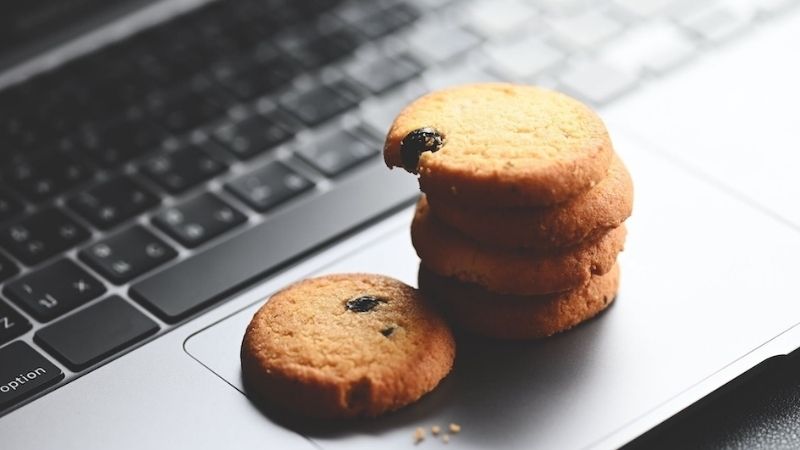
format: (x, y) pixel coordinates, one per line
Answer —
(448, 253)
(342, 346)
(503, 145)
(584, 217)
(519, 317)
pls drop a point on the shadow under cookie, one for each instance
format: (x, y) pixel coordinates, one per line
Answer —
(479, 311)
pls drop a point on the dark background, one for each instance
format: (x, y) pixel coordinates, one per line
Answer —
(760, 409)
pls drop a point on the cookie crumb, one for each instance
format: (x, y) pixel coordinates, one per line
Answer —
(436, 429)
(455, 428)
(445, 438)
(419, 435)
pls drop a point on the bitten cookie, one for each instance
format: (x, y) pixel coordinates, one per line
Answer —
(342, 346)
(448, 253)
(499, 144)
(581, 218)
(516, 317)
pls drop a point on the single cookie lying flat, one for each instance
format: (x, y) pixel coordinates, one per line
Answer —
(581, 218)
(448, 253)
(343, 346)
(514, 317)
(499, 144)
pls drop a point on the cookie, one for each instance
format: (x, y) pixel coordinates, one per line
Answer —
(343, 346)
(500, 145)
(448, 253)
(518, 317)
(581, 218)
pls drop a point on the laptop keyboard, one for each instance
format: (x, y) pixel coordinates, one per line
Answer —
(147, 181)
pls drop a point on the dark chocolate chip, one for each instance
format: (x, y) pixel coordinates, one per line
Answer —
(425, 139)
(387, 331)
(362, 304)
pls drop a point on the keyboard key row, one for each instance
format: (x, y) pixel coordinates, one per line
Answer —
(256, 134)
(127, 254)
(182, 169)
(54, 290)
(113, 201)
(198, 220)
(117, 141)
(42, 235)
(46, 177)
(259, 250)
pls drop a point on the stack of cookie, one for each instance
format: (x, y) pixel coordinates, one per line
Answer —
(524, 201)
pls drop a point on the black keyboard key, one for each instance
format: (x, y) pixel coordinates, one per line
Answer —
(113, 201)
(95, 333)
(44, 178)
(9, 207)
(324, 49)
(117, 142)
(190, 107)
(53, 290)
(195, 221)
(248, 78)
(315, 104)
(179, 170)
(268, 186)
(42, 235)
(388, 20)
(384, 73)
(12, 324)
(256, 134)
(127, 254)
(282, 238)
(7, 268)
(23, 373)
(336, 151)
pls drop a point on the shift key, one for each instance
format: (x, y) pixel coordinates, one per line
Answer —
(24, 372)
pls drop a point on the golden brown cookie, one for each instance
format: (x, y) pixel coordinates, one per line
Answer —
(499, 144)
(343, 346)
(448, 253)
(581, 218)
(518, 317)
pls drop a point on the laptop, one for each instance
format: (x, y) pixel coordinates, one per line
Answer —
(165, 166)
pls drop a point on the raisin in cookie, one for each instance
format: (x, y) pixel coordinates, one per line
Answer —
(498, 144)
(342, 346)
(448, 253)
(581, 218)
(518, 317)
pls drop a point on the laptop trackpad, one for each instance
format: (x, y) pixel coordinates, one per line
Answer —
(700, 289)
